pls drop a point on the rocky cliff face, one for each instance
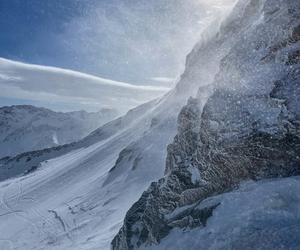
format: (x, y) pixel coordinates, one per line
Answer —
(248, 129)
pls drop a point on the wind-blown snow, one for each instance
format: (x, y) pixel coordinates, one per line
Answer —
(50, 85)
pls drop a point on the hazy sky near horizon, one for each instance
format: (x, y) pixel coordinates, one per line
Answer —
(141, 42)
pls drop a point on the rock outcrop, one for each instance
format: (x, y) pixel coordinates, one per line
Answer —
(248, 129)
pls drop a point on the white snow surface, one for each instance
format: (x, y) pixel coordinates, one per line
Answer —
(258, 215)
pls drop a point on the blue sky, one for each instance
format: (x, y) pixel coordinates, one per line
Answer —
(136, 42)
(125, 40)
(30, 28)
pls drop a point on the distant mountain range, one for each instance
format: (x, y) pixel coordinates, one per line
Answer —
(26, 128)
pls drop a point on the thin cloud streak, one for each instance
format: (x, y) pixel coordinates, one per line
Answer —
(42, 83)
(163, 79)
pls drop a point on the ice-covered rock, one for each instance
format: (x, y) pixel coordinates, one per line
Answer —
(259, 215)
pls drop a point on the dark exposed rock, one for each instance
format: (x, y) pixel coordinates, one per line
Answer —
(293, 57)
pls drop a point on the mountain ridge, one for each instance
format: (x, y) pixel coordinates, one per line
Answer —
(248, 129)
(46, 128)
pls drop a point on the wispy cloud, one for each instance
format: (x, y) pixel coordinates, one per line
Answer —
(163, 79)
(50, 84)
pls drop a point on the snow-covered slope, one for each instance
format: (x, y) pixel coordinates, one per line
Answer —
(78, 200)
(27, 128)
(28, 161)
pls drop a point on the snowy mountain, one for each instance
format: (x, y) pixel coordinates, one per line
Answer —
(248, 129)
(27, 128)
(240, 125)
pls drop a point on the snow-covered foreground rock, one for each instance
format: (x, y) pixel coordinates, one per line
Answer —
(26, 128)
(259, 215)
